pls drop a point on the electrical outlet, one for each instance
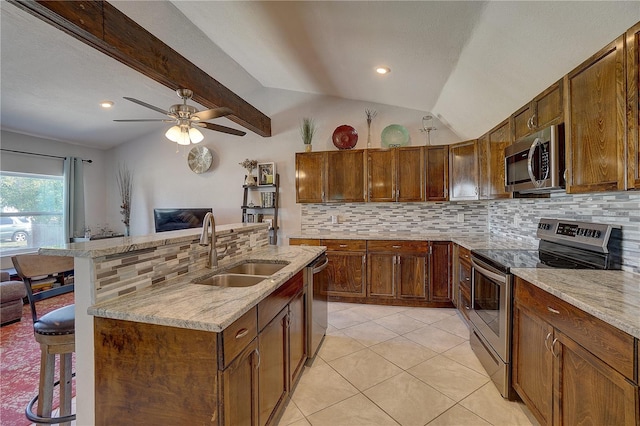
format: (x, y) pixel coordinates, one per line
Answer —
(460, 217)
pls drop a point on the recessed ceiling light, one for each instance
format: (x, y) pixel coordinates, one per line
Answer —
(383, 70)
(106, 104)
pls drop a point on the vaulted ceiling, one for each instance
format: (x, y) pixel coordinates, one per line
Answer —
(469, 63)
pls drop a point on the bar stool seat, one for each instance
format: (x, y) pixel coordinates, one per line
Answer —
(54, 331)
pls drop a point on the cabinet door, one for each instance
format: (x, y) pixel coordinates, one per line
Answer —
(345, 176)
(548, 107)
(310, 174)
(297, 336)
(437, 165)
(273, 369)
(595, 122)
(346, 273)
(410, 174)
(440, 272)
(381, 170)
(381, 270)
(587, 388)
(492, 168)
(533, 363)
(412, 275)
(239, 383)
(463, 171)
(633, 112)
(522, 121)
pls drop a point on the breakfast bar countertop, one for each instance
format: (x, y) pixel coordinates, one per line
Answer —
(180, 303)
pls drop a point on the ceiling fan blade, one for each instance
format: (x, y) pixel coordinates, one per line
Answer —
(146, 105)
(164, 120)
(222, 129)
(212, 113)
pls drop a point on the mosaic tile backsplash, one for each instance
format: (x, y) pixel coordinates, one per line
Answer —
(513, 218)
(120, 274)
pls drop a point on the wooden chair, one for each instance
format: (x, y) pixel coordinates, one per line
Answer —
(55, 331)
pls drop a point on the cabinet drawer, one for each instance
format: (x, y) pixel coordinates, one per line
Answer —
(345, 245)
(465, 301)
(464, 254)
(303, 242)
(608, 343)
(237, 336)
(464, 275)
(399, 246)
(269, 307)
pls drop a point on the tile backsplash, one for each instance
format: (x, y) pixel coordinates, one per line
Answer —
(514, 218)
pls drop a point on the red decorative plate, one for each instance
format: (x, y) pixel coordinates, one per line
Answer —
(345, 137)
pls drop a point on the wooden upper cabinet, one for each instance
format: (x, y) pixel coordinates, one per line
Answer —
(410, 175)
(437, 173)
(544, 110)
(463, 171)
(633, 110)
(310, 176)
(491, 161)
(381, 170)
(595, 122)
(396, 174)
(345, 176)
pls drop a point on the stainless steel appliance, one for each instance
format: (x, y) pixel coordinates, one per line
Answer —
(562, 244)
(315, 282)
(536, 163)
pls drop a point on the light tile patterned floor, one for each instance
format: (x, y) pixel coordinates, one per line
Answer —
(388, 365)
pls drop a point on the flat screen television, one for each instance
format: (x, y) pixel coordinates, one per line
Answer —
(174, 219)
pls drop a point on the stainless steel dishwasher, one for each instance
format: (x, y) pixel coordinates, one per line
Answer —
(315, 282)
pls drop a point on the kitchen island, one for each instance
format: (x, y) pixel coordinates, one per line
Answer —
(147, 279)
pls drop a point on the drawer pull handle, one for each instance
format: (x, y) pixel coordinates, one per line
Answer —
(396, 247)
(466, 279)
(343, 246)
(241, 333)
(553, 311)
(467, 307)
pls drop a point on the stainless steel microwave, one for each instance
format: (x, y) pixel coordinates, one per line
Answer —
(536, 163)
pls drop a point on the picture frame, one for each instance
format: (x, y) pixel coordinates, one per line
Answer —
(266, 174)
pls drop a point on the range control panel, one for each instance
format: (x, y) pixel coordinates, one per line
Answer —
(592, 236)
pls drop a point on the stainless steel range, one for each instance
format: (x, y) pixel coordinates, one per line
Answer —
(562, 244)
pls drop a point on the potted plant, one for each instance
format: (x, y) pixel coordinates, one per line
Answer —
(249, 165)
(307, 130)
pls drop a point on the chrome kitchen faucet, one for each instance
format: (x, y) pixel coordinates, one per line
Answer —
(207, 222)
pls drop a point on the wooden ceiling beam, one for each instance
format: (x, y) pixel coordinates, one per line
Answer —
(103, 27)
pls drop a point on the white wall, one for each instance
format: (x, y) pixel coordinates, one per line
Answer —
(95, 188)
(163, 179)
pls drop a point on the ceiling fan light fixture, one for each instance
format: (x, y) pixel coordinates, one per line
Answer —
(173, 133)
(106, 104)
(195, 135)
(183, 138)
(383, 70)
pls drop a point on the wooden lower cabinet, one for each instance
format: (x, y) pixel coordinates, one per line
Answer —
(569, 367)
(154, 374)
(440, 271)
(397, 269)
(273, 370)
(239, 389)
(346, 272)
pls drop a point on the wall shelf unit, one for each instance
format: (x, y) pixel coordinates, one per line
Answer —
(260, 204)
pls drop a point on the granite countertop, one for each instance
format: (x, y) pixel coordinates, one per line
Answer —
(612, 296)
(469, 241)
(180, 303)
(109, 246)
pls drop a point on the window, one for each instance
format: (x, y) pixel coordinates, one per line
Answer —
(31, 212)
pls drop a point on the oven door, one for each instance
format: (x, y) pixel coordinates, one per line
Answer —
(490, 311)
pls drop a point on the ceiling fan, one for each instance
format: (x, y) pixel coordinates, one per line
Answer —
(186, 118)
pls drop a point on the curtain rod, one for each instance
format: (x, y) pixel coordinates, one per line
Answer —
(41, 155)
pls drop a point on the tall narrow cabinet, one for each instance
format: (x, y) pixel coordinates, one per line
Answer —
(262, 206)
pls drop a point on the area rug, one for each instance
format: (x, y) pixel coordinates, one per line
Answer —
(20, 363)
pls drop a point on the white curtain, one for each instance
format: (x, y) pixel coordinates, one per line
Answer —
(74, 221)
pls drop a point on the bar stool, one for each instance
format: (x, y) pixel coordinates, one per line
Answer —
(55, 332)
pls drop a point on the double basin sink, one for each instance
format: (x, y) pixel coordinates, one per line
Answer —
(245, 274)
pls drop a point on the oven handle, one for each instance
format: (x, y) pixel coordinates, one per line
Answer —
(502, 279)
